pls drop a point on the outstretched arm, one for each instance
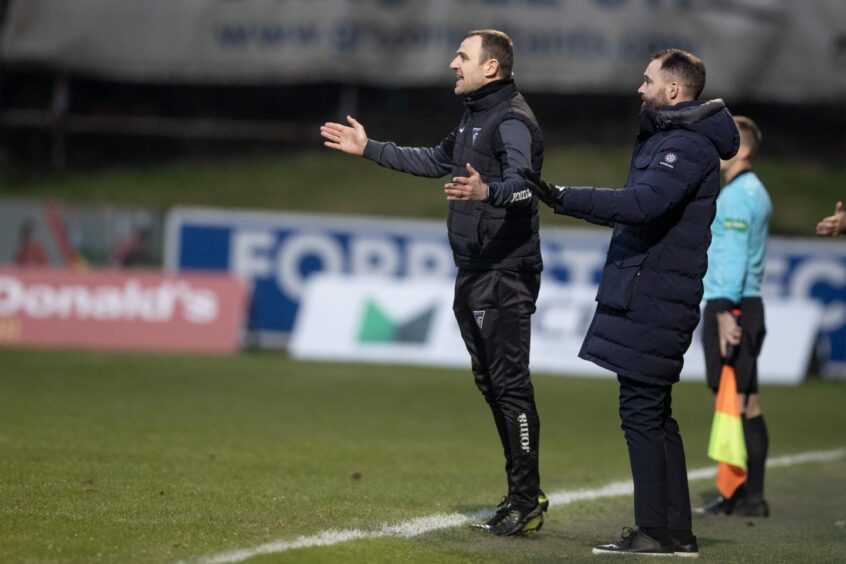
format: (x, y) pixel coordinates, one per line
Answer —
(420, 161)
(550, 194)
(659, 188)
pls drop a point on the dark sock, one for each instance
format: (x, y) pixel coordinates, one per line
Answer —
(660, 534)
(739, 493)
(757, 444)
(684, 536)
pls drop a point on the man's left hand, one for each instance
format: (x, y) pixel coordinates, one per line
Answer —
(467, 187)
(546, 192)
(833, 225)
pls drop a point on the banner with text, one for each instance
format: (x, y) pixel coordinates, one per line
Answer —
(277, 253)
(411, 322)
(761, 49)
(115, 310)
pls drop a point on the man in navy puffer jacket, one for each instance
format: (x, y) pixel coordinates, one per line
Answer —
(651, 286)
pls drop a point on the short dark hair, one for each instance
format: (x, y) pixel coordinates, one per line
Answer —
(750, 134)
(496, 45)
(686, 67)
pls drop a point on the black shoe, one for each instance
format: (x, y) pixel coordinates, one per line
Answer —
(722, 505)
(687, 549)
(518, 521)
(635, 541)
(718, 506)
(750, 507)
(543, 501)
(502, 509)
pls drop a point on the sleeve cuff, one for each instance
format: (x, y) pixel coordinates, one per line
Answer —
(494, 198)
(560, 204)
(372, 150)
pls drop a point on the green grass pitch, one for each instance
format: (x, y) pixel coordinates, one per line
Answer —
(141, 458)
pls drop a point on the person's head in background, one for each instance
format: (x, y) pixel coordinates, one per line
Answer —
(750, 141)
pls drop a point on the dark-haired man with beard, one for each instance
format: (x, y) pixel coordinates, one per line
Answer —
(651, 286)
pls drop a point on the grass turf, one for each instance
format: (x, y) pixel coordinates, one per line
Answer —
(117, 458)
(325, 182)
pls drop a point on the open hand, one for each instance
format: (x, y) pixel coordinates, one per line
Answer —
(467, 187)
(348, 139)
(833, 225)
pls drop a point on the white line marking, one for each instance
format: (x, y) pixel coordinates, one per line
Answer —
(408, 529)
(438, 521)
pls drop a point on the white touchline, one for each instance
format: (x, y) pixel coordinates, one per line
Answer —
(421, 525)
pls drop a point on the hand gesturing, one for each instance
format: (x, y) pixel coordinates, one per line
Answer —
(348, 139)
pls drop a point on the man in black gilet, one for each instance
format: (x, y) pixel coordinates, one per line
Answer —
(493, 232)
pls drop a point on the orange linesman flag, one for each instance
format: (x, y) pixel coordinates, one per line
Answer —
(728, 445)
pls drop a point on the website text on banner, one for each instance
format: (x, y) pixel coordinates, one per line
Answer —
(592, 46)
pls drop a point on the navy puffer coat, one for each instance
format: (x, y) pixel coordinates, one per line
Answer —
(651, 286)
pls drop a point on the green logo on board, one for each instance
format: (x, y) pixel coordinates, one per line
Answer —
(378, 327)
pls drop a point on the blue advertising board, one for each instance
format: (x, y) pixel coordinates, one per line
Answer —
(276, 253)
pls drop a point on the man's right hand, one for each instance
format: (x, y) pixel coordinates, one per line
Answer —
(351, 140)
(546, 192)
(729, 331)
(833, 225)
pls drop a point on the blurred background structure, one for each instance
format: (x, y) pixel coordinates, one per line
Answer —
(116, 115)
(103, 81)
(167, 207)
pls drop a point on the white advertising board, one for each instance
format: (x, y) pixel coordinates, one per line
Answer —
(278, 254)
(360, 319)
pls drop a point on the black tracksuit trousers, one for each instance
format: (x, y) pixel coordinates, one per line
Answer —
(494, 310)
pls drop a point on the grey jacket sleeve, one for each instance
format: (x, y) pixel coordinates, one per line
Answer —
(515, 154)
(431, 162)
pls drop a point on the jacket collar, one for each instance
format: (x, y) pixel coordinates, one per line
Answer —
(490, 95)
(710, 119)
(683, 114)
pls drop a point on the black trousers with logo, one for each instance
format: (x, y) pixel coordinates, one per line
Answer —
(494, 310)
(656, 453)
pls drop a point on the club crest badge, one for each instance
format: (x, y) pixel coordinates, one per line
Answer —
(480, 318)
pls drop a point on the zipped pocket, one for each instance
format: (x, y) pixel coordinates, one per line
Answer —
(619, 282)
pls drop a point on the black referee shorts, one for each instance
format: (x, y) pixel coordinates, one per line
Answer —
(745, 356)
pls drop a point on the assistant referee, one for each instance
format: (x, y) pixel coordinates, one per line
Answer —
(734, 311)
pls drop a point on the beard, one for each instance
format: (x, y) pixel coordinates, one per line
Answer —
(657, 102)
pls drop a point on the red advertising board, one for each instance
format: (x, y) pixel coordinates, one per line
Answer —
(121, 310)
